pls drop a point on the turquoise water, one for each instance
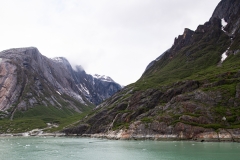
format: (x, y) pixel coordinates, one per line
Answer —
(63, 148)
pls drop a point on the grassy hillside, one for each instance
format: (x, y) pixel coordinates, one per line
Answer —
(39, 116)
(196, 60)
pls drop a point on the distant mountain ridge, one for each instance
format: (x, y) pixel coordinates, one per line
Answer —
(96, 88)
(103, 78)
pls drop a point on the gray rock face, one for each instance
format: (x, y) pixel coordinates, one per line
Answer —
(94, 88)
(229, 11)
(28, 78)
(226, 9)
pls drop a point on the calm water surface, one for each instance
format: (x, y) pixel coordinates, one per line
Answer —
(62, 148)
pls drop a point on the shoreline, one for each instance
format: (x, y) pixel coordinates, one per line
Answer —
(222, 135)
(158, 138)
(33, 135)
(136, 138)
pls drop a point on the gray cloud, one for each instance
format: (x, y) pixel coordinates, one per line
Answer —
(115, 38)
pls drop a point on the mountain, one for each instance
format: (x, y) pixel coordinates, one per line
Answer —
(33, 85)
(95, 88)
(192, 91)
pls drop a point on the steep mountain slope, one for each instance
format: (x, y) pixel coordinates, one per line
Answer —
(190, 92)
(33, 85)
(28, 79)
(95, 88)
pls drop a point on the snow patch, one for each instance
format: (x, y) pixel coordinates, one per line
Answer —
(224, 55)
(224, 24)
(103, 78)
(58, 59)
(58, 92)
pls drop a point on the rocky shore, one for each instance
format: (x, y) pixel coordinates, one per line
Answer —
(222, 135)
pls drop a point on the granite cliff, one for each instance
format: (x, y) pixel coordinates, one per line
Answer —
(28, 80)
(191, 91)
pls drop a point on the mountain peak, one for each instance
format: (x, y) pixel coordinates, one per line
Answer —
(187, 33)
(26, 51)
(60, 59)
(226, 9)
(17, 50)
(103, 78)
(63, 61)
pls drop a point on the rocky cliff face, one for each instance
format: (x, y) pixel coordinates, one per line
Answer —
(189, 92)
(95, 88)
(30, 79)
(228, 10)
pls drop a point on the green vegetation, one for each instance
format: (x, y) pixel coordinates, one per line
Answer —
(38, 116)
(214, 126)
(221, 111)
(198, 61)
(20, 125)
(124, 111)
(147, 119)
(118, 125)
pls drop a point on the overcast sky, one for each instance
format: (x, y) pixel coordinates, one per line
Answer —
(118, 38)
